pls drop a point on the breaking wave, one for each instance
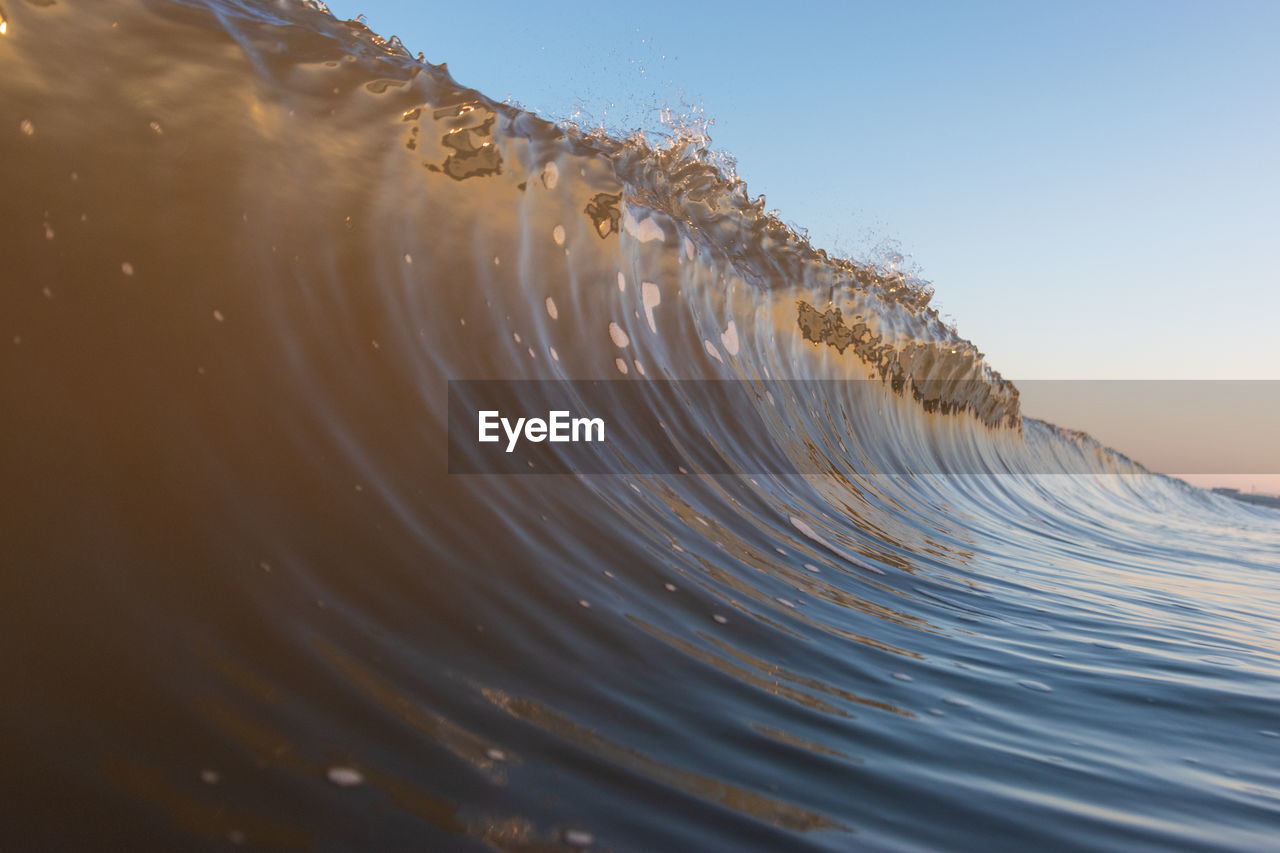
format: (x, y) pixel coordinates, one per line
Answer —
(248, 246)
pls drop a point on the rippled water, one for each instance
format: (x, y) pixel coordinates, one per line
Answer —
(247, 246)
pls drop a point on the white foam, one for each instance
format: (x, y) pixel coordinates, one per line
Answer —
(550, 175)
(557, 234)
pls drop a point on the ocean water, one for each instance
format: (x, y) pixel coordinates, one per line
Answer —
(246, 248)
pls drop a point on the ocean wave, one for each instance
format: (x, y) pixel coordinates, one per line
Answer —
(249, 247)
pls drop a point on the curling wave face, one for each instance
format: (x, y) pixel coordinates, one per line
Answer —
(247, 248)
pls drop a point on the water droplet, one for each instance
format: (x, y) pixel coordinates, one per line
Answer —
(496, 754)
(1038, 686)
(557, 234)
(621, 365)
(345, 777)
(126, 268)
(579, 838)
(652, 298)
(620, 339)
(552, 311)
(209, 777)
(902, 676)
(730, 339)
(27, 127)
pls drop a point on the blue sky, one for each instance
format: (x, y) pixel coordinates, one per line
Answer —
(1092, 187)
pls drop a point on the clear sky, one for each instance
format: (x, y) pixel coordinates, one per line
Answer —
(1092, 187)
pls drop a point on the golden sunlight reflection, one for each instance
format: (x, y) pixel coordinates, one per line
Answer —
(773, 811)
